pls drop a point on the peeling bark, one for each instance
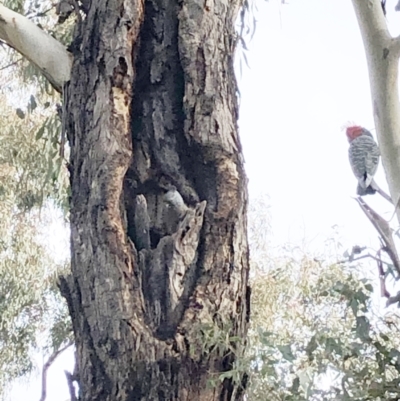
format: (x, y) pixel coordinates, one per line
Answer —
(158, 205)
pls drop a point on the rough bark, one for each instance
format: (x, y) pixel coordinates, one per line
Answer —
(158, 204)
(383, 53)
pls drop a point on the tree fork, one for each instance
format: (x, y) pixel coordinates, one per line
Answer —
(151, 111)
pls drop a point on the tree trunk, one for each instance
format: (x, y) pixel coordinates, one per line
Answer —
(382, 52)
(158, 203)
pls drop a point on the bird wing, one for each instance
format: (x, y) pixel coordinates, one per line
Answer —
(364, 158)
(371, 163)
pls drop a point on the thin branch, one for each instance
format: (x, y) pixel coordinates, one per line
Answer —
(46, 367)
(39, 14)
(384, 231)
(11, 64)
(380, 191)
(367, 255)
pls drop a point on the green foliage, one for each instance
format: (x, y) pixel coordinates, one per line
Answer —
(29, 300)
(314, 332)
(33, 185)
(23, 87)
(30, 305)
(32, 168)
(15, 5)
(313, 337)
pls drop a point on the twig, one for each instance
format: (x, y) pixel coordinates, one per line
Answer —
(368, 255)
(11, 64)
(39, 14)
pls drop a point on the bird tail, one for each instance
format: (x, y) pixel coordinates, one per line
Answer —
(362, 191)
(372, 188)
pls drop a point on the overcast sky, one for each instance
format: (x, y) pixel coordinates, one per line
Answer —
(307, 77)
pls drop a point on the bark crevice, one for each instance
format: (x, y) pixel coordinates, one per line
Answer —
(158, 205)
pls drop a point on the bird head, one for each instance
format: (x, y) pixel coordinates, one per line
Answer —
(354, 131)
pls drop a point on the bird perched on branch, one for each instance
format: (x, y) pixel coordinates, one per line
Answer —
(364, 158)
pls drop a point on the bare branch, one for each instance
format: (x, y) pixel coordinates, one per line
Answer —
(384, 230)
(47, 53)
(367, 255)
(11, 64)
(46, 368)
(380, 191)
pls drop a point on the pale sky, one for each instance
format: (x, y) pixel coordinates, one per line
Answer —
(307, 77)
